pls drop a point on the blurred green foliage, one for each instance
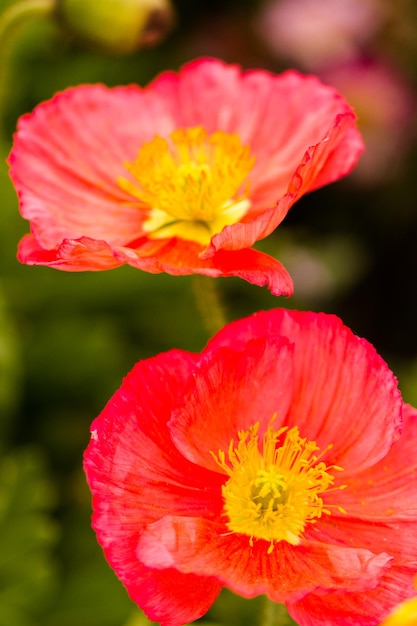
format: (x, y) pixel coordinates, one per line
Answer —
(66, 340)
(27, 536)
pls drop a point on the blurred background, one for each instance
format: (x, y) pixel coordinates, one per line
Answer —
(66, 340)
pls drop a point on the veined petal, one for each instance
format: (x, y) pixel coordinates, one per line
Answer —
(361, 609)
(369, 534)
(124, 485)
(255, 267)
(168, 596)
(289, 572)
(387, 491)
(156, 256)
(341, 385)
(66, 159)
(71, 256)
(126, 426)
(321, 164)
(297, 107)
(180, 258)
(405, 614)
(231, 391)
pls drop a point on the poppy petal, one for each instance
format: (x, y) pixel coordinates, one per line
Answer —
(340, 384)
(229, 392)
(289, 572)
(387, 491)
(361, 609)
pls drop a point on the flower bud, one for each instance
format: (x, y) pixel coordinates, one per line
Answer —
(117, 26)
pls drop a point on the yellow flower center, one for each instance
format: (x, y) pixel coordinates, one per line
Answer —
(192, 183)
(273, 493)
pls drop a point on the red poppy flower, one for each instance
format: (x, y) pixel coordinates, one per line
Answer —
(271, 463)
(182, 176)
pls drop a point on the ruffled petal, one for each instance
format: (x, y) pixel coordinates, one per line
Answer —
(231, 391)
(279, 116)
(344, 394)
(205, 92)
(331, 158)
(71, 256)
(282, 117)
(173, 256)
(168, 596)
(289, 572)
(244, 234)
(178, 258)
(397, 537)
(355, 609)
(131, 457)
(67, 157)
(129, 460)
(256, 268)
(387, 491)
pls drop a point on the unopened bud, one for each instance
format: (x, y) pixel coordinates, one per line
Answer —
(118, 26)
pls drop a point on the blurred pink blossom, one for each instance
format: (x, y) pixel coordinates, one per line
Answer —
(386, 107)
(310, 32)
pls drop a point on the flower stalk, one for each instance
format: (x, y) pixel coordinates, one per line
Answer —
(11, 19)
(274, 614)
(19, 12)
(209, 303)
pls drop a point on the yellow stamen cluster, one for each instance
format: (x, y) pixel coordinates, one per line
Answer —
(192, 183)
(274, 492)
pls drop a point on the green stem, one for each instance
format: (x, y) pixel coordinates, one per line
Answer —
(209, 303)
(275, 614)
(20, 11)
(10, 20)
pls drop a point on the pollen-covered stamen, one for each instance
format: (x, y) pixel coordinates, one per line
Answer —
(193, 184)
(273, 492)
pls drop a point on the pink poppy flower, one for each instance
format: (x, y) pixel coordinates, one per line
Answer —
(271, 463)
(182, 176)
